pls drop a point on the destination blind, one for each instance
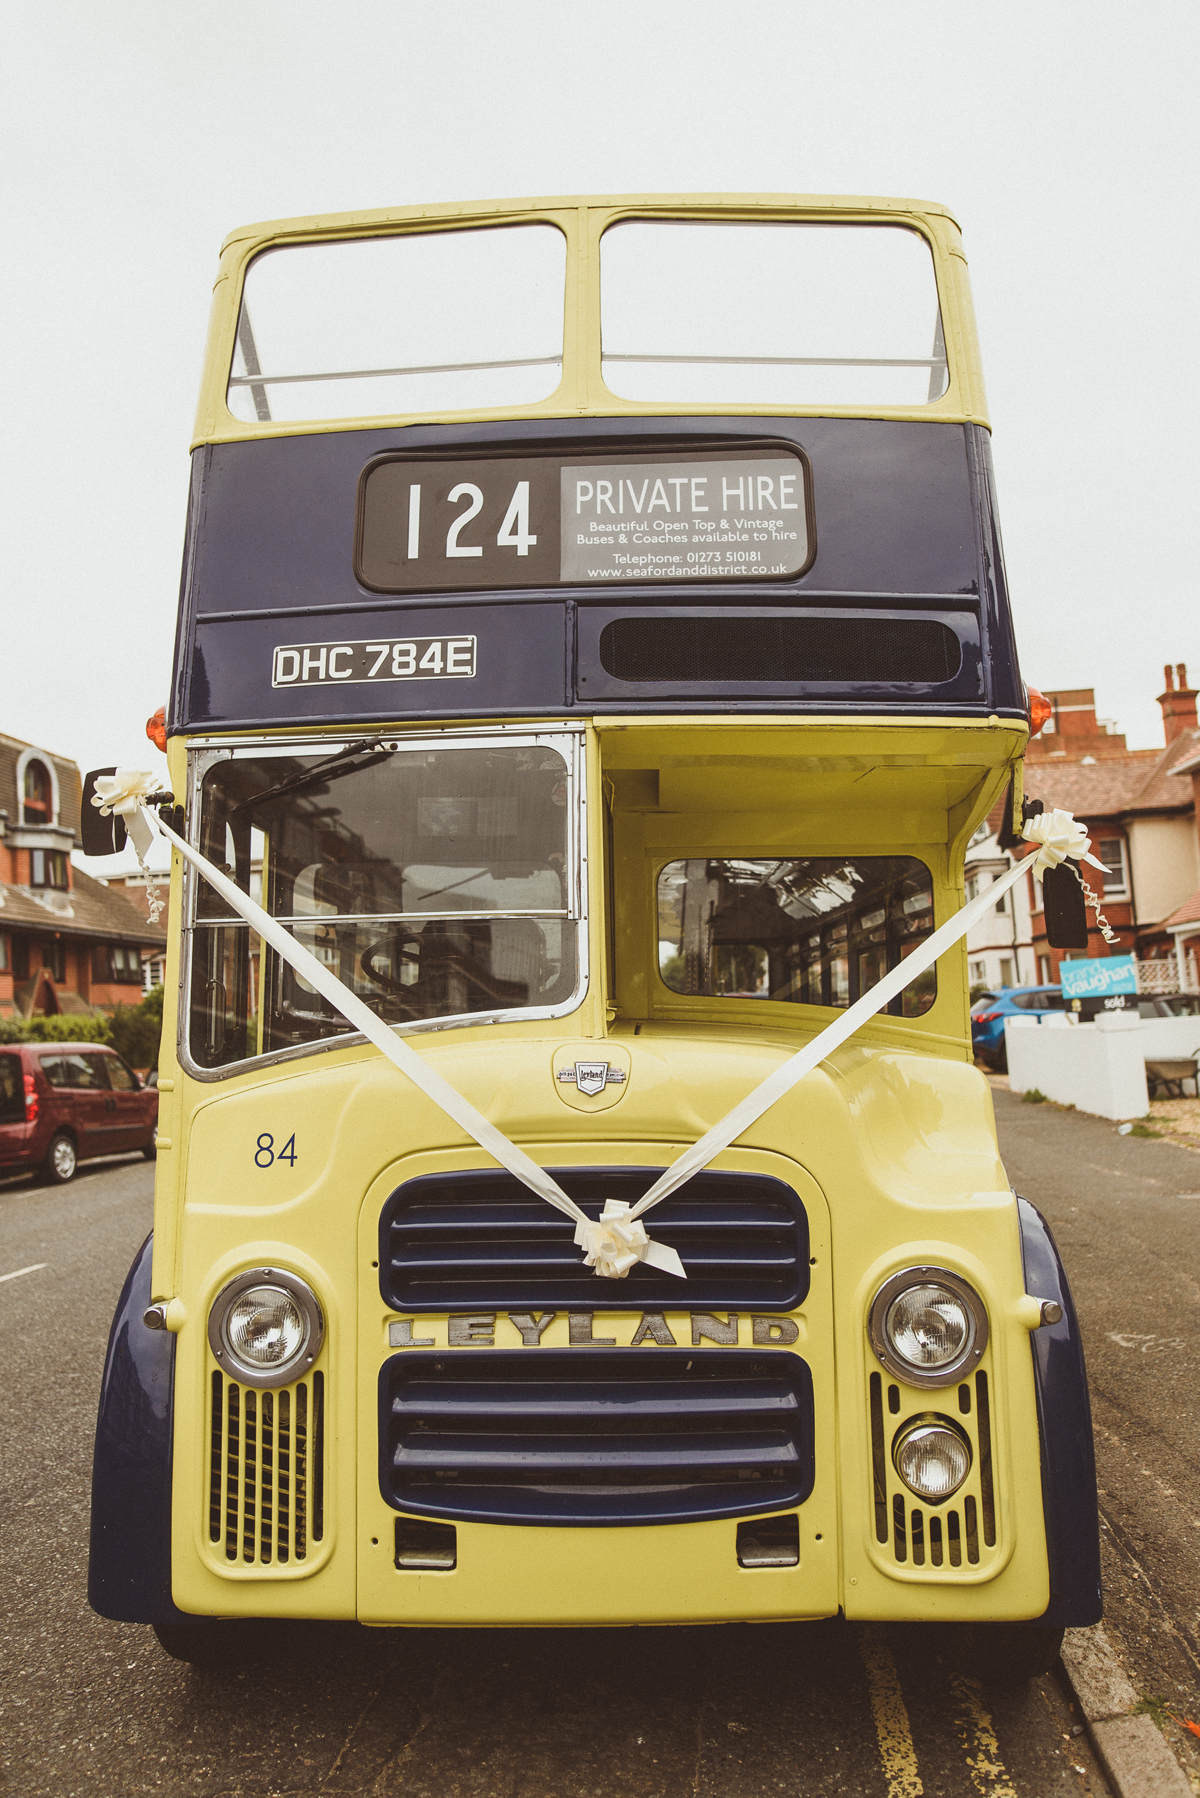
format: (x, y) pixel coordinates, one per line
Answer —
(543, 521)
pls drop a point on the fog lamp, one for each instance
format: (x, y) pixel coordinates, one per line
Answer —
(927, 1326)
(265, 1327)
(932, 1457)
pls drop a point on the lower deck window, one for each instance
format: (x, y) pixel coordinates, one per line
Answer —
(433, 881)
(807, 929)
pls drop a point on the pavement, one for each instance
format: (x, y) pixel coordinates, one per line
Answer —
(811, 1710)
(1125, 1212)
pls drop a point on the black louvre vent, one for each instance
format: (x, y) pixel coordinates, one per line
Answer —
(591, 1436)
(780, 651)
(461, 1242)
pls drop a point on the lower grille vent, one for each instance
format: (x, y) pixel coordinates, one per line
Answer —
(781, 651)
(266, 1477)
(590, 1436)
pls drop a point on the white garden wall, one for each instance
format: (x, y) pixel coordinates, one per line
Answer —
(1098, 1067)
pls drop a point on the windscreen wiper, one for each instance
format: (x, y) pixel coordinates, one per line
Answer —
(347, 761)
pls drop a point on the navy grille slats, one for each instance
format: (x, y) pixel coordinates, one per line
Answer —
(461, 1242)
(592, 1436)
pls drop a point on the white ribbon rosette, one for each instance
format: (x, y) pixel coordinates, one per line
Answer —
(1059, 836)
(619, 1241)
(124, 794)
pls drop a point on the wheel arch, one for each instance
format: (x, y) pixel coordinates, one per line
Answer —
(1065, 1431)
(129, 1561)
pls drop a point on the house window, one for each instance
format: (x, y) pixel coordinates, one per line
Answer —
(116, 965)
(1045, 971)
(47, 867)
(37, 797)
(1006, 972)
(1002, 902)
(20, 957)
(1111, 851)
(4, 953)
(54, 958)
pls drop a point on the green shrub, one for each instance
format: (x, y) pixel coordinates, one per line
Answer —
(68, 1028)
(136, 1030)
(1033, 1097)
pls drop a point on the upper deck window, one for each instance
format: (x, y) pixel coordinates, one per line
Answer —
(439, 321)
(812, 930)
(434, 881)
(770, 314)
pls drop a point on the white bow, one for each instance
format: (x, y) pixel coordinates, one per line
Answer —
(125, 793)
(1060, 835)
(619, 1241)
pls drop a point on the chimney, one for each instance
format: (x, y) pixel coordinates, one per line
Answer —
(1178, 702)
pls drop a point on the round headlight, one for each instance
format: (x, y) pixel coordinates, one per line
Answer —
(266, 1327)
(932, 1457)
(927, 1326)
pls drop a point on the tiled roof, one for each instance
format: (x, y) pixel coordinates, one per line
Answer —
(70, 784)
(1187, 913)
(1141, 781)
(95, 911)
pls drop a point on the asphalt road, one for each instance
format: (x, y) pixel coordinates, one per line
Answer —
(92, 1707)
(1125, 1212)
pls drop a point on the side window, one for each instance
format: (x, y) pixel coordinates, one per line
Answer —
(12, 1090)
(54, 1067)
(93, 1072)
(119, 1076)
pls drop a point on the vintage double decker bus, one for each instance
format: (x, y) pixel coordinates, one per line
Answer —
(594, 656)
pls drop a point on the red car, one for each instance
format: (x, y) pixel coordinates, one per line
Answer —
(62, 1103)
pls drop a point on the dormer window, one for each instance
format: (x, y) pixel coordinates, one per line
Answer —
(48, 868)
(37, 796)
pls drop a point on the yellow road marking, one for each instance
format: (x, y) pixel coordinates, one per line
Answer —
(988, 1773)
(896, 1749)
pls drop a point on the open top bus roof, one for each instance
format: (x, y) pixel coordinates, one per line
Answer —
(703, 305)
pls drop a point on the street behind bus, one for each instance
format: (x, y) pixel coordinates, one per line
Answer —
(96, 1707)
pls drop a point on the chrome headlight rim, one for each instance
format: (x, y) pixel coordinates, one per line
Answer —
(928, 1377)
(925, 1421)
(265, 1378)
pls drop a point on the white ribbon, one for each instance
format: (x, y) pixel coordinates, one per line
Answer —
(1058, 836)
(611, 1254)
(618, 1241)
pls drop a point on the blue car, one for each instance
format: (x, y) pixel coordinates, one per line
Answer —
(990, 1010)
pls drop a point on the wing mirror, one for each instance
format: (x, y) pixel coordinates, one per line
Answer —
(101, 836)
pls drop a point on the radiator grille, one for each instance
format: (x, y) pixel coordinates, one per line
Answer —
(957, 1536)
(266, 1472)
(474, 1240)
(591, 1436)
(781, 651)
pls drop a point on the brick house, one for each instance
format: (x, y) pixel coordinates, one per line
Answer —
(68, 943)
(1140, 807)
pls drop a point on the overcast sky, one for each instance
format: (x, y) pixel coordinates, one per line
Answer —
(138, 133)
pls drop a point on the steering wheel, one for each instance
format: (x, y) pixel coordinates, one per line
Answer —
(388, 982)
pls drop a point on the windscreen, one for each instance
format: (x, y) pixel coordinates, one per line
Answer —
(770, 314)
(431, 321)
(809, 930)
(433, 882)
